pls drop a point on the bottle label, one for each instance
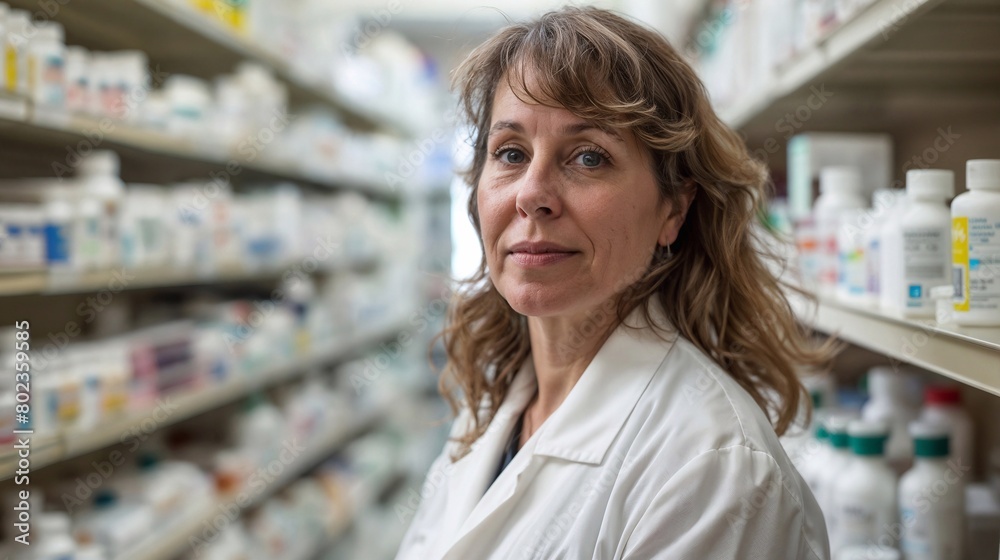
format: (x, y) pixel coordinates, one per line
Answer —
(872, 267)
(926, 254)
(929, 534)
(976, 263)
(852, 272)
(56, 244)
(856, 525)
(11, 67)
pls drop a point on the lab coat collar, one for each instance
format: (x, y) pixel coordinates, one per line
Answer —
(585, 425)
(582, 429)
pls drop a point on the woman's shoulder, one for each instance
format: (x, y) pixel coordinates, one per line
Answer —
(693, 407)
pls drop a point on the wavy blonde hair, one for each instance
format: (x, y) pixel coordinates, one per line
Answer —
(717, 289)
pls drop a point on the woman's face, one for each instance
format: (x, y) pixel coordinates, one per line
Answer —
(570, 213)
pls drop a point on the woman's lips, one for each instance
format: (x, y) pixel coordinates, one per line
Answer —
(533, 254)
(540, 259)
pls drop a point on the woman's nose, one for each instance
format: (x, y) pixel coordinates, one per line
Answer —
(537, 195)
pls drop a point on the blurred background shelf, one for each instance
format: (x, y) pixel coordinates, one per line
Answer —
(190, 42)
(187, 157)
(45, 282)
(48, 450)
(882, 69)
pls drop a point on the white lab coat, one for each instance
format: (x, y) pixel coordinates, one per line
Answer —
(656, 453)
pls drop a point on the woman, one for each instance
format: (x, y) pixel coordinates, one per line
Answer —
(617, 360)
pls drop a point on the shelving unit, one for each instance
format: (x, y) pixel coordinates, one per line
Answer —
(20, 122)
(884, 68)
(167, 544)
(968, 355)
(72, 443)
(905, 68)
(183, 36)
(178, 39)
(43, 282)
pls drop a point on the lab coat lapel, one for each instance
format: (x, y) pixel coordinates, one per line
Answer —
(473, 474)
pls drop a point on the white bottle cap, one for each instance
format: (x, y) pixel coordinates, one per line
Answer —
(866, 428)
(883, 199)
(48, 32)
(99, 162)
(936, 184)
(839, 178)
(982, 174)
(53, 523)
(885, 381)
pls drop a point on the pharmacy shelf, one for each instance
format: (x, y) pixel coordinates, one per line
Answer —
(371, 497)
(968, 355)
(169, 544)
(60, 131)
(882, 68)
(177, 407)
(43, 282)
(183, 40)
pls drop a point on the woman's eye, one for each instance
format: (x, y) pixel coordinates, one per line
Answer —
(511, 155)
(590, 159)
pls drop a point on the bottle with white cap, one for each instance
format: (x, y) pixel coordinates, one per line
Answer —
(931, 498)
(883, 204)
(46, 64)
(891, 291)
(55, 540)
(864, 494)
(889, 404)
(926, 228)
(824, 480)
(98, 176)
(975, 222)
(840, 190)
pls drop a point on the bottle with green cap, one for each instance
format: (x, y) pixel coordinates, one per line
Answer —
(864, 495)
(931, 498)
(838, 457)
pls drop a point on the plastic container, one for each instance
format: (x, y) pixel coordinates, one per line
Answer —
(926, 229)
(852, 265)
(55, 540)
(883, 204)
(932, 499)
(864, 495)
(18, 30)
(838, 459)
(58, 229)
(943, 405)
(77, 79)
(47, 66)
(840, 190)
(98, 178)
(891, 282)
(975, 218)
(889, 405)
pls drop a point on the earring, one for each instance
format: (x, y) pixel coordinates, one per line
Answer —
(669, 252)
